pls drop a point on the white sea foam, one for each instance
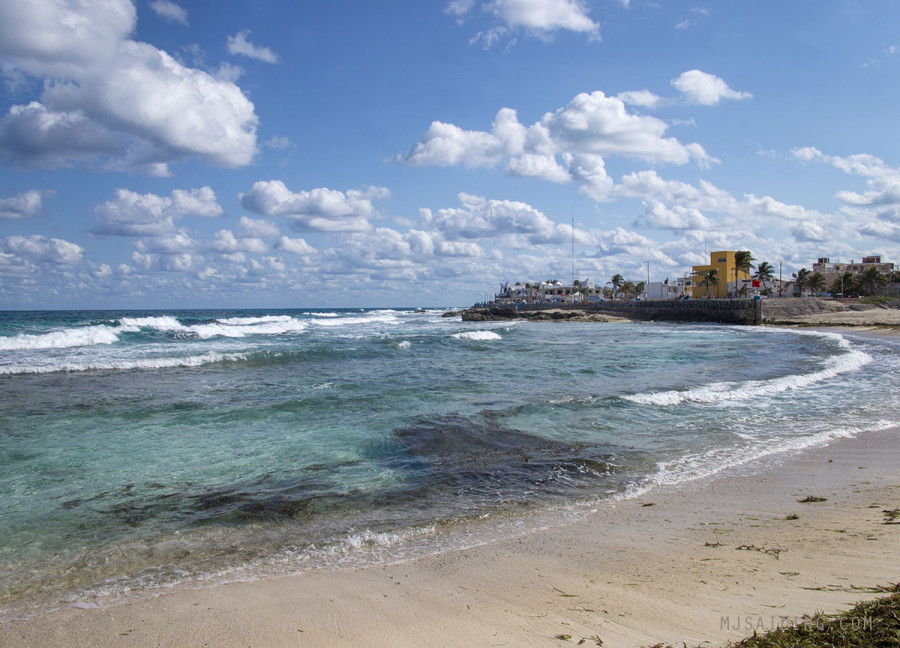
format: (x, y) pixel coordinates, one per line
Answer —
(377, 317)
(64, 339)
(477, 335)
(691, 467)
(850, 360)
(405, 344)
(277, 327)
(235, 327)
(247, 321)
(161, 323)
(97, 364)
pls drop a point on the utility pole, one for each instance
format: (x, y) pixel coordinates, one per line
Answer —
(573, 249)
(647, 289)
(780, 285)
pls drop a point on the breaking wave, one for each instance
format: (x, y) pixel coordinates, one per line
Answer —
(235, 327)
(65, 339)
(847, 361)
(691, 467)
(377, 317)
(477, 335)
(74, 365)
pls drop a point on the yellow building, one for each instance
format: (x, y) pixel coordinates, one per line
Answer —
(730, 278)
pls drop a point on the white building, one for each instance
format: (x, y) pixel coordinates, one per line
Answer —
(548, 292)
(669, 289)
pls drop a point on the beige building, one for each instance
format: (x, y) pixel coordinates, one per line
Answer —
(833, 271)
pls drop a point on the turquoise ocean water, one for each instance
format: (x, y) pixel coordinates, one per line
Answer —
(141, 451)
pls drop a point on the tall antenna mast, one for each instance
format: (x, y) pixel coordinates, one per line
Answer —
(573, 247)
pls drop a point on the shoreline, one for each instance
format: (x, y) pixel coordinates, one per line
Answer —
(711, 560)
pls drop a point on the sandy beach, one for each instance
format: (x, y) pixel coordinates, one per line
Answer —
(704, 562)
(826, 313)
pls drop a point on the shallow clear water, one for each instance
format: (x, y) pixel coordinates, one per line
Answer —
(140, 450)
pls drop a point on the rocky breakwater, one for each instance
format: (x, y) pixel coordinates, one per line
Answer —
(487, 314)
(721, 311)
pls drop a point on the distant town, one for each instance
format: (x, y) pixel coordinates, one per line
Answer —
(729, 274)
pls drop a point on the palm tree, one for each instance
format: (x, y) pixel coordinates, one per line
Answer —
(710, 279)
(837, 288)
(801, 279)
(743, 262)
(765, 272)
(617, 281)
(843, 284)
(871, 278)
(639, 287)
(847, 282)
(893, 278)
(628, 288)
(816, 282)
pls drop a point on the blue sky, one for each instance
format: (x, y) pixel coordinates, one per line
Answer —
(196, 154)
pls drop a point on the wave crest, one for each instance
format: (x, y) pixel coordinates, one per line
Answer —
(850, 360)
(234, 327)
(75, 366)
(67, 338)
(477, 335)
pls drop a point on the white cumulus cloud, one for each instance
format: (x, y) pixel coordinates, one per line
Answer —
(539, 18)
(643, 98)
(226, 242)
(881, 201)
(264, 229)
(595, 123)
(40, 249)
(568, 144)
(516, 223)
(705, 89)
(238, 45)
(449, 145)
(294, 245)
(322, 209)
(133, 214)
(110, 99)
(170, 11)
(544, 15)
(23, 205)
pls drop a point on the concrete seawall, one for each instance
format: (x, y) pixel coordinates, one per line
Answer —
(720, 311)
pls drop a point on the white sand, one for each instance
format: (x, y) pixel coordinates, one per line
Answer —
(874, 318)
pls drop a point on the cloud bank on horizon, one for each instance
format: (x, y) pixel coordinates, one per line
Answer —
(153, 155)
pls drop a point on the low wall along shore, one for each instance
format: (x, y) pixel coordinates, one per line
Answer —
(722, 311)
